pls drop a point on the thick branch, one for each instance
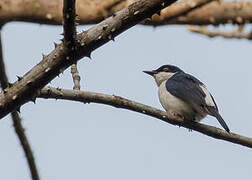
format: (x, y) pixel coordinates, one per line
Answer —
(177, 9)
(93, 11)
(119, 102)
(17, 123)
(50, 11)
(26, 88)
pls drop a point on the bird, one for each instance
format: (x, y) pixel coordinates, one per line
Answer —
(185, 96)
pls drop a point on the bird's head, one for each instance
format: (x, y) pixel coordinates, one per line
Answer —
(163, 73)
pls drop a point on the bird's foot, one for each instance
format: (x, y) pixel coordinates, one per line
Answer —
(178, 115)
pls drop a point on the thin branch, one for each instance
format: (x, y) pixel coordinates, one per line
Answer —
(93, 11)
(17, 123)
(20, 131)
(3, 76)
(119, 102)
(69, 23)
(236, 34)
(27, 87)
(76, 77)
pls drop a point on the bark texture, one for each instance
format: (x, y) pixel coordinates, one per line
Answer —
(93, 11)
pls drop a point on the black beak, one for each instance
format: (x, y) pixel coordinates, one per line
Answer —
(150, 72)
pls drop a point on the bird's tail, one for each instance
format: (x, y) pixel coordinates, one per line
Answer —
(216, 114)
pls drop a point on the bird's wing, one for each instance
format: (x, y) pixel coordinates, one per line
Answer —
(192, 91)
(189, 89)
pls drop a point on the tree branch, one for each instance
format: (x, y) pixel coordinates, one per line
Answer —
(93, 11)
(177, 9)
(3, 76)
(69, 24)
(236, 34)
(119, 102)
(27, 87)
(17, 123)
(20, 131)
(214, 13)
(76, 77)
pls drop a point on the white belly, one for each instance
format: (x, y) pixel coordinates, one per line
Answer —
(174, 105)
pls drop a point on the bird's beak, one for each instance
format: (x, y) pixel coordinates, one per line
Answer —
(151, 72)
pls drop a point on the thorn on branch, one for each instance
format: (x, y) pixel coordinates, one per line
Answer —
(61, 70)
(34, 100)
(43, 56)
(10, 84)
(110, 37)
(55, 45)
(89, 55)
(19, 78)
(18, 109)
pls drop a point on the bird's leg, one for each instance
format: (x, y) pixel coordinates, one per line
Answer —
(191, 121)
(186, 119)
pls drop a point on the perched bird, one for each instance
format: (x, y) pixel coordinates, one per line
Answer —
(183, 95)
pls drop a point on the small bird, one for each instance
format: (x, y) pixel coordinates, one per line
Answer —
(183, 95)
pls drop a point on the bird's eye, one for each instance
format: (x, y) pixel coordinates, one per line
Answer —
(165, 69)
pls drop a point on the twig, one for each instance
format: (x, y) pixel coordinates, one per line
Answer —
(27, 87)
(76, 77)
(17, 123)
(119, 102)
(236, 34)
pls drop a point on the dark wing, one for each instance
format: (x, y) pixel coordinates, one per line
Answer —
(186, 88)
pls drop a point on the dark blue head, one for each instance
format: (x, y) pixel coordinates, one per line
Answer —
(164, 68)
(163, 73)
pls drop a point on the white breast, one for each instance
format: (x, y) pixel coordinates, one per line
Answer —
(174, 105)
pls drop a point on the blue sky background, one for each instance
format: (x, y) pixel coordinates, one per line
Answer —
(72, 140)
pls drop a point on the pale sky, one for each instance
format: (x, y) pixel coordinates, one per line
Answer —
(73, 140)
